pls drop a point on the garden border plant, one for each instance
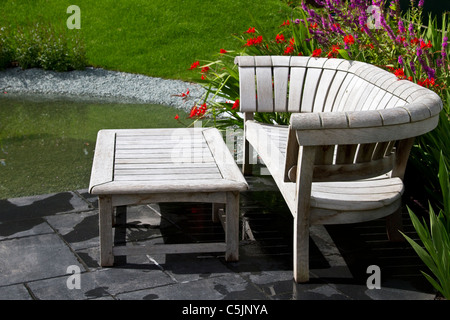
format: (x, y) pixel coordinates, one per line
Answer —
(345, 29)
(41, 46)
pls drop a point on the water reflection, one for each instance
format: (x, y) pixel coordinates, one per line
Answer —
(47, 143)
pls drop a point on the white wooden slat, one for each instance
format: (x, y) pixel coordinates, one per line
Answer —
(395, 101)
(223, 158)
(103, 163)
(281, 80)
(377, 100)
(264, 89)
(361, 103)
(384, 102)
(334, 89)
(163, 132)
(342, 92)
(159, 151)
(165, 177)
(159, 171)
(247, 89)
(296, 89)
(151, 161)
(169, 186)
(310, 89)
(126, 166)
(355, 94)
(322, 91)
(374, 92)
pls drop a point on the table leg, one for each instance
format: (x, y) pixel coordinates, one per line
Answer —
(232, 227)
(105, 230)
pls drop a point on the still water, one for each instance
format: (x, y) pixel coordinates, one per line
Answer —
(47, 145)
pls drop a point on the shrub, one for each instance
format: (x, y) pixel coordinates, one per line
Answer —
(44, 47)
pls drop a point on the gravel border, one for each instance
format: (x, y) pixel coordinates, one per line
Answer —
(99, 84)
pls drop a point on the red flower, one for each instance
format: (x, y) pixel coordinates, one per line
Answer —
(427, 83)
(288, 50)
(194, 65)
(279, 38)
(222, 51)
(194, 111)
(317, 53)
(313, 26)
(415, 41)
(254, 41)
(176, 117)
(334, 52)
(205, 69)
(250, 30)
(285, 23)
(349, 39)
(235, 105)
(425, 45)
(400, 73)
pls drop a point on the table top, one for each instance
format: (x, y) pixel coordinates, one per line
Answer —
(137, 161)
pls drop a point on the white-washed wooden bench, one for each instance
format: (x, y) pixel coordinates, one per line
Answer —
(343, 156)
(139, 166)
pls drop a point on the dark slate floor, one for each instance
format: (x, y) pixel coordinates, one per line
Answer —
(42, 237)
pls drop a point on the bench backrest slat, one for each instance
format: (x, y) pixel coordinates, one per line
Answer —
(335, 90)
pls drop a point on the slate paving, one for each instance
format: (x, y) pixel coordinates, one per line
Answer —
(49, 251)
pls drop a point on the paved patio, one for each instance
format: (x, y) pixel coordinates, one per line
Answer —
(42, 236)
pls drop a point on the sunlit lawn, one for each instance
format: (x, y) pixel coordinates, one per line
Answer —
(159, 37)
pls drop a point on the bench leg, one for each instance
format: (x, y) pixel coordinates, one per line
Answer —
(105, 230)
(232, 227)
(305, 169)
(394, 224)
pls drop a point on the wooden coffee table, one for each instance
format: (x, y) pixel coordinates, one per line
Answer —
(139, 166)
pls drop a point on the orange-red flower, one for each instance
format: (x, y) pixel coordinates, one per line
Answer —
(334, 51)
(176, 117)
(279, 38)
(254, 41)
(194, 65)
(222, 51)
(235, 105)
(250, 30)
(348, 39)
(317, 53)
(288, 50)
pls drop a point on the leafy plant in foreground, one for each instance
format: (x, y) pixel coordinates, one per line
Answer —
(436, 238)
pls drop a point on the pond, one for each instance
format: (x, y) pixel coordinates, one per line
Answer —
(47, 145)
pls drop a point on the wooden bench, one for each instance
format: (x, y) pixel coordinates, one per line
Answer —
(135, 166)
(342, 158)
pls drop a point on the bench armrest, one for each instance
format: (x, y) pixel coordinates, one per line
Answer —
(356, 127)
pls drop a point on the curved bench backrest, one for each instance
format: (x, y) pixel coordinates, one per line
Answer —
(343, 95)
(305, 84)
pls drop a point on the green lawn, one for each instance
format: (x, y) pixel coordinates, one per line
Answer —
(154, 37)
(49, 146)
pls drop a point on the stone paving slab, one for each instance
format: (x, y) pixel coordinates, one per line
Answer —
(41, 236)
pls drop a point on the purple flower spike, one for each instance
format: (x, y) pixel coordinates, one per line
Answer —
(420, 4)
(400, 60)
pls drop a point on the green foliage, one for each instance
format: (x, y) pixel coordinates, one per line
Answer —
(435, 252)
(42, 46)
